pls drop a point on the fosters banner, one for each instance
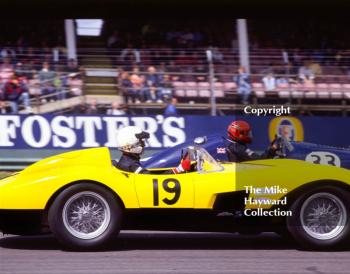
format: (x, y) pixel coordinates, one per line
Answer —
(74, 132)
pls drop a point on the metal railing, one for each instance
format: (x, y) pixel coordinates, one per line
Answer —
(334, 58)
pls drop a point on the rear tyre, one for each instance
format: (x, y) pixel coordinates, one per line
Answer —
(85, 216)
(320, 218)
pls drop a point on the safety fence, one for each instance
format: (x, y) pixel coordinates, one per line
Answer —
(333, 61)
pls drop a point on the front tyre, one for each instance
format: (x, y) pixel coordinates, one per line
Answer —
(320, 218)
(85, 216)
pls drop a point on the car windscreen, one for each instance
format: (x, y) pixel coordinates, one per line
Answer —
(205, 162)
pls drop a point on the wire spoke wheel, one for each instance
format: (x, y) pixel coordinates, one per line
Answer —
(86, 215)
(323, 216)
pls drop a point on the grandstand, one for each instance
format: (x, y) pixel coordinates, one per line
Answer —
(98, 74)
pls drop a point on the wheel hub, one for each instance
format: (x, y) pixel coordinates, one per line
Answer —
(323, 216)
(86, 215)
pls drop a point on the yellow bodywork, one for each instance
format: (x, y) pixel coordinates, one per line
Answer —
(33, 187)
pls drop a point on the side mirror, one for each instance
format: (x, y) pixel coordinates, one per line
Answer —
(200, 140)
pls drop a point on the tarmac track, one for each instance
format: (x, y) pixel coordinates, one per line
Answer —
(169, 252)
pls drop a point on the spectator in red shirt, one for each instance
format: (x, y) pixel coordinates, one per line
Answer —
(15, 91)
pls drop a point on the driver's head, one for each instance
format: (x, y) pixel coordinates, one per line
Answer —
(240, 131)
(131, 139)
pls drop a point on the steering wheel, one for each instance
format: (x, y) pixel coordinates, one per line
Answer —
(193, 166)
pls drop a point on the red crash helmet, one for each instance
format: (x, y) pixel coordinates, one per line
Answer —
(240, 131)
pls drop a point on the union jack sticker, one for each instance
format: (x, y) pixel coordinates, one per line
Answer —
(220, 150)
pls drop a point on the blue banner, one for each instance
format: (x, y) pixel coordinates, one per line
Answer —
(76, 132)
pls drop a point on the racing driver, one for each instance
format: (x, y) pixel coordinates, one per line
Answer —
(131, 142)
(239, 136)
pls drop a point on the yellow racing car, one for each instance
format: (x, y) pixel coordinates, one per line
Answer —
(84, 200)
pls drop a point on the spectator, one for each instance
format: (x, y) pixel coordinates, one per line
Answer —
(170, 109)
(75, 85)
(92, 107)
(243, 85)
(285, 57)
(174, 70)
(282, 80)
(27, 69)
(126, 88)
(16, 91)
(7, 53)
(72, 66)
(201, 73)
(290, 69)
(161, 70)
(152, 86)
(137, 86)
(47, 78)
(128, 55)
(3, 109)
(19, 71)
(6, 70)
(56, 56)
(318, 56)
(316, 68)
(269, 82)
(305, 74)
(337, 58)
(114, 40)
(115, 110)
(80, 109)
(58, 83)
(21, 44)
(296, 58)
(71, 70)
(218, 57)
(166, 88)
(34, 87)
(2, 93)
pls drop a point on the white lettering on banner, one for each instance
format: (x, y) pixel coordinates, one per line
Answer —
(150, 125)
(44, 131)
(112, 129)
(89, 124)
(85, 131)
(175, 132)
(8, 126)
(160, 119)
(62, 129)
